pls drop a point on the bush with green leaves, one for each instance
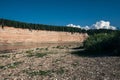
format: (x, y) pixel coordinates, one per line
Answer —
(103, 42)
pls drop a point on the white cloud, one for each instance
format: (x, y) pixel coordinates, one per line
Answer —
(98, 25)
(78, 26)
(103, 25)
(72, 25)
(86, 27)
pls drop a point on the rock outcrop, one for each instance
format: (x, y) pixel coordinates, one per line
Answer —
(10, 35)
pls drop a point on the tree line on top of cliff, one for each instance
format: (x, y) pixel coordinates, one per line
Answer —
(31, 26)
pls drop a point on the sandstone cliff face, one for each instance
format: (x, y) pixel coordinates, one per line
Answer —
(18, 35)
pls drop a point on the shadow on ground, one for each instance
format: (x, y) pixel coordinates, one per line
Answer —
(85, 53)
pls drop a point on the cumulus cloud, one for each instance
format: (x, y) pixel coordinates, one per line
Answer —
(103, 25)
(98, 25)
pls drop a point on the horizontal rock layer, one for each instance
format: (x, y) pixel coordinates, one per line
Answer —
(10, 35)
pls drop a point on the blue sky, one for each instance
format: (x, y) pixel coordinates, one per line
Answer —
(61, 12)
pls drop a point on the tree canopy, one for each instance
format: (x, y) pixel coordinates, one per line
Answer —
(31, 26)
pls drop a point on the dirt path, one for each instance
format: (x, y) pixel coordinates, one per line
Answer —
(56, 63)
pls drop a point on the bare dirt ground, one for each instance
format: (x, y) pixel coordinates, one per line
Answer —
(57, 63)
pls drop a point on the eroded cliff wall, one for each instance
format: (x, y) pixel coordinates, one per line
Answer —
(17, 35)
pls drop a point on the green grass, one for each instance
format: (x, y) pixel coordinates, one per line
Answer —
(12, 65)
(60, 71)
(38, 72)
(31, 72)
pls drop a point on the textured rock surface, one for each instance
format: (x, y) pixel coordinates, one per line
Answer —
(17, 35)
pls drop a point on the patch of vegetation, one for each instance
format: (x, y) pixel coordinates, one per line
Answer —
(90, 43)
(30, 55)
(37, 48)
(19, 52)
(39, 72)
(10, 74)
(1, 67)
(31, 72)
(104, 42)
(36, 55)
(5, 56)
(98, 31)
(40, 54)
(46, 49)
(60, 47)
(29, 51)
(12, 65)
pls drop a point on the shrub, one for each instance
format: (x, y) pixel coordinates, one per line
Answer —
(108, 42)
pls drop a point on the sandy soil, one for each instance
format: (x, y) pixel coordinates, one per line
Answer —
(56, 63)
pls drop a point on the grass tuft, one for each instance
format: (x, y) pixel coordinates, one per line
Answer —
(40, 55)
(39, 72)
(5, 56)
(12, 65)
